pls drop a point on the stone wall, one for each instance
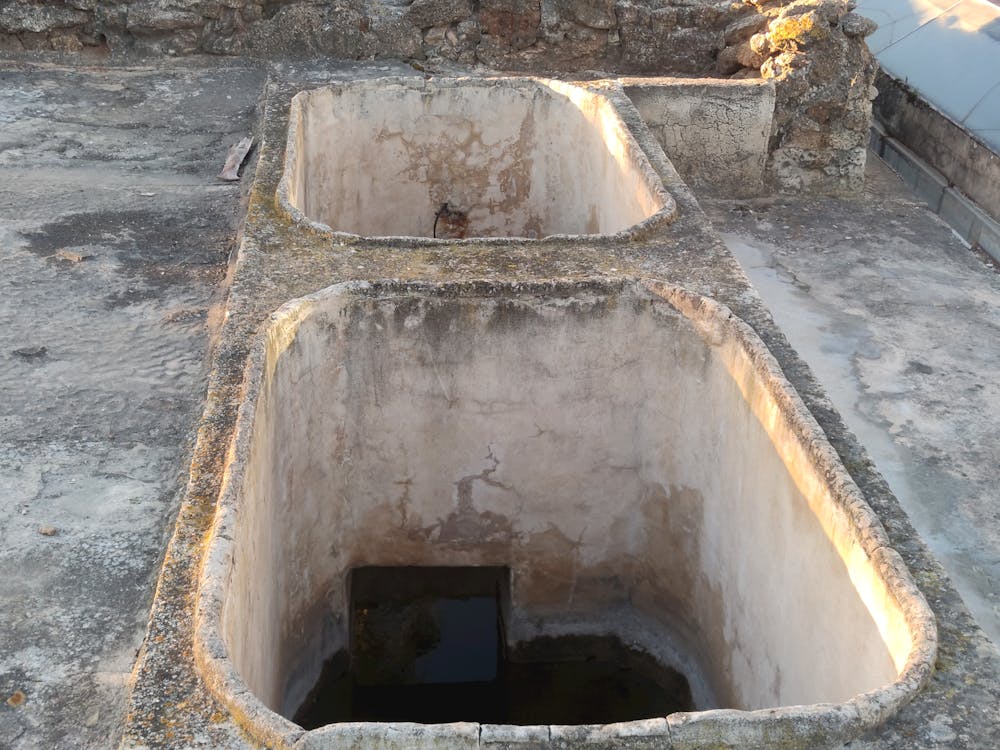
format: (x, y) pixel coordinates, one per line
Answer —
(813, 49)
(814, 52)
(682, 36)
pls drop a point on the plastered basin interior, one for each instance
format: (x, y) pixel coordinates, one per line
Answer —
(457, 158)
(628, 452)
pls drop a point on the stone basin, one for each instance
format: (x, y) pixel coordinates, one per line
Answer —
(629, 450)
(526, 158)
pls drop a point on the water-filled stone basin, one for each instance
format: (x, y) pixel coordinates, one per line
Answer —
(630, 452)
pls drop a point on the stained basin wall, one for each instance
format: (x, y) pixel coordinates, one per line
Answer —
(602, 445)
(521, 158)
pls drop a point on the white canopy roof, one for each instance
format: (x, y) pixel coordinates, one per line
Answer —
(949, 52)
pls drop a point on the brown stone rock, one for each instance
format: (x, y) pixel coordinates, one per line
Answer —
(773, 67)
(857, 26)
(334, 30)
(822, 81)
(760, 44)
(426, 13)
(707, 16)
(435, 36)
(654, 41)
(748, 57)
(151, 16)
(513, 24)
(468, 32)
(17, 17)
(728, 62)
(797, 30)
(66, 43)
(391, 36)
(596, 14)
(10, 44)
(743, 28)
(63, 253)
(823, 112)
(830, 11)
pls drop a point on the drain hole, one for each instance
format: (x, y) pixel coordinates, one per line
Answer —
(450, 224)
(429, 645)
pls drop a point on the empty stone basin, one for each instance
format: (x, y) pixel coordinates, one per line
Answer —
(467, 158)
(629, 451)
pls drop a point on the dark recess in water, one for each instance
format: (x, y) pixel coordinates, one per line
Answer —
(427, 645)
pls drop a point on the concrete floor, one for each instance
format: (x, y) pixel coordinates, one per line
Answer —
(897, 318)
(118, 166)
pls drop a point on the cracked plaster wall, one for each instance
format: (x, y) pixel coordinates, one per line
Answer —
(715, 132)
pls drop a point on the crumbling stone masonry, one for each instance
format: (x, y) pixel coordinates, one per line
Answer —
(813, 50)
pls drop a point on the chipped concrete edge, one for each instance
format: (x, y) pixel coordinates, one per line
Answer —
(640, 145)
(818, 725)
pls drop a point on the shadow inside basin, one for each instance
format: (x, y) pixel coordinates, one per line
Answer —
(430, 645)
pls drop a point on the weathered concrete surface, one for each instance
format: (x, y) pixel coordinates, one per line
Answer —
(119, 167)
(171, 708)
(170, 700)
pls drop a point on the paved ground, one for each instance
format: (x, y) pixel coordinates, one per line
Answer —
(898, 320)
(119, 167)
